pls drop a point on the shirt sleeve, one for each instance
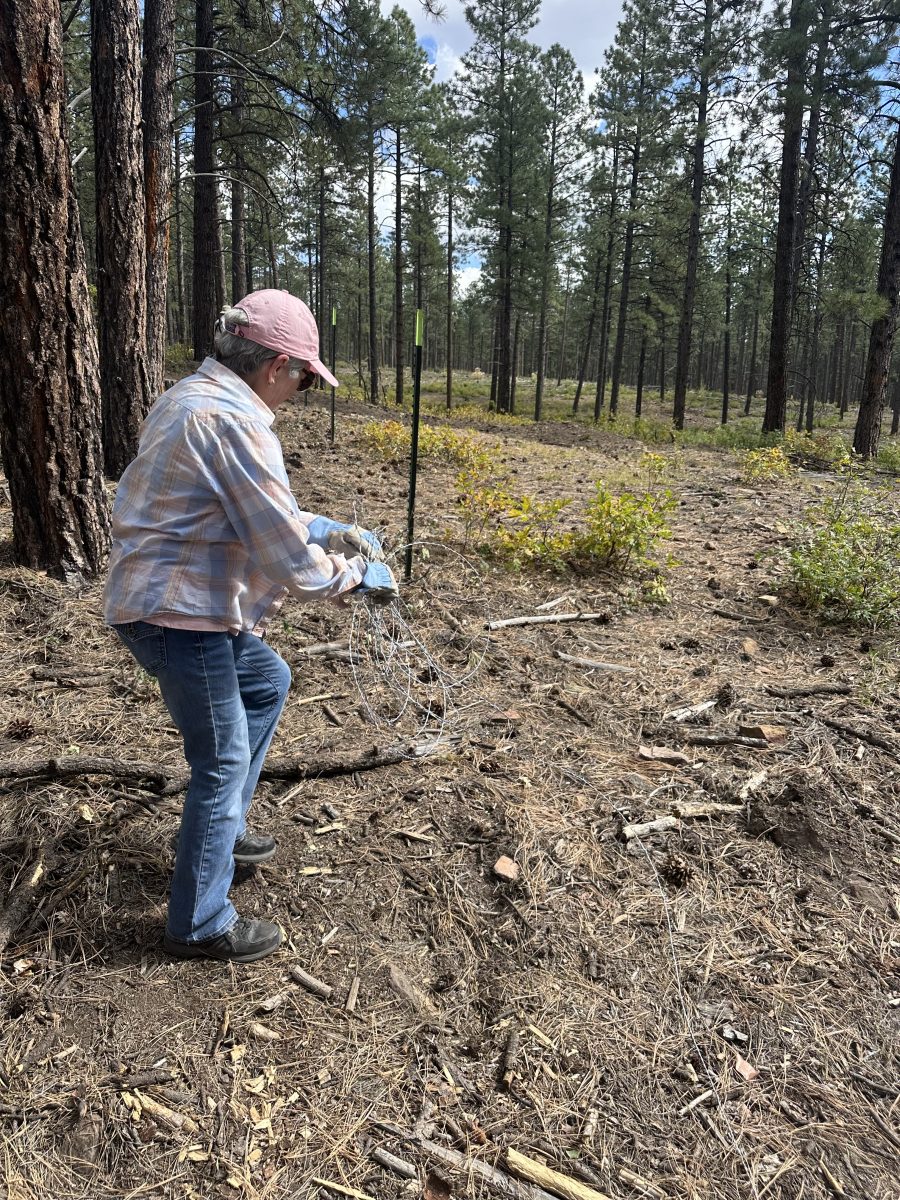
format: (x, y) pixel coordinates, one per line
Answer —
(253, 488)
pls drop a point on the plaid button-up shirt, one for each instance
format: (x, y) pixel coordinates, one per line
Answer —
(206, 531)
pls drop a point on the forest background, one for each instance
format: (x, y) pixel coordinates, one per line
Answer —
(711, 217)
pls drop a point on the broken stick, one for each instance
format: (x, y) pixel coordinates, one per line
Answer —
(593, 664)
(549, 619)
(562, 1185)
(790, 691)
(493, 1177)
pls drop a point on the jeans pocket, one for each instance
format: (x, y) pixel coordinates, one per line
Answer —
(146, 642)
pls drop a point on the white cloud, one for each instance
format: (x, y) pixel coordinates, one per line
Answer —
(465, 277)
(584, 27)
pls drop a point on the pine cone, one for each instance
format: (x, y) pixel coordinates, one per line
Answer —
(726, 695)
(676, 871)
(20, 729)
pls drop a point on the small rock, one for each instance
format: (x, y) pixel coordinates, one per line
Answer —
(772, 601)
(749, 648)
(505, 868)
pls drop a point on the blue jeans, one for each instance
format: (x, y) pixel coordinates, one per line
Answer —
(225, 693)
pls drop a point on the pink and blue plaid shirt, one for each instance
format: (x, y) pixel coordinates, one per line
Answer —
(206, 531)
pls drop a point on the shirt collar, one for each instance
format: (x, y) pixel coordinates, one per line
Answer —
(237, 387)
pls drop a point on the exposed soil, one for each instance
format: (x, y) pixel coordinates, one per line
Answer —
(712, 1008)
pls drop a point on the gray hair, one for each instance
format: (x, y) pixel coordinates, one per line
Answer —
(241, 355)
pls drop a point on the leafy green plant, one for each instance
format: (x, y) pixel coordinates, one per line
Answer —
(766, 465)
(620, 533)
(392, 440)
(845, 563)
(821, 447)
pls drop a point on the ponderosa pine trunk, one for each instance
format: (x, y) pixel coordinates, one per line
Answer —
(180, 299)
(125, 385)
(881, 336)
(698, 170)
(449, 298)
(370, 225)
(238, 214)
(625, 284)
(546, 257)
(157, 107)
(207, 241)
(399, 330)
(49, 384)
(782, 287)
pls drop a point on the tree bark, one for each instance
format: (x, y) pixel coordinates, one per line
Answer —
(157, 109)
(121, 228)
(370, 223)
(782, 288)
(238, 215)
(180, 298)
(399, 331)
(881, 337)
(449, 298)
(606, 317)
(686, 320)
(206, 241)
(625, 284)
(546, 257)
(49, 387)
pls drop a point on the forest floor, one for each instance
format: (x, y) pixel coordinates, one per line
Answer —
(701, 1012)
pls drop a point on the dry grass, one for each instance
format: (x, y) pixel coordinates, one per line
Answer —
(630, 998)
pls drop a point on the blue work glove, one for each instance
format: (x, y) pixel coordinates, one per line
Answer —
(349, 540)
(378, 584)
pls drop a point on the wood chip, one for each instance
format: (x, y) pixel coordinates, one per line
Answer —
(767, 733)
(664, 754)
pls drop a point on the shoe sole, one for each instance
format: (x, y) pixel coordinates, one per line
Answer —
(261, 857)
(185, 951)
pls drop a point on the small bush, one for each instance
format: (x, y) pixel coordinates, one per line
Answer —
(621, 533)
(889, 456)
(845, 564)
(438, 443)
(766, 465)
(817, 448)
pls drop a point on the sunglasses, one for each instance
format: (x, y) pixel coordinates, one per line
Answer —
(305, 379)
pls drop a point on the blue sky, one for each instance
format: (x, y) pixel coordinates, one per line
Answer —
(584, 27)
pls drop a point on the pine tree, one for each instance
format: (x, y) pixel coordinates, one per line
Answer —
(125, 382)
(49, 394)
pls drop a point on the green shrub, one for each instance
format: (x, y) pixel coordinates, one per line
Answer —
(845, 563)
(889, 456)
(821, 447)
(765, 465)
(438, 443)
(621, 533)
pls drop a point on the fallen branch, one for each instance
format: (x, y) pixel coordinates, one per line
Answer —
(22, 900)
(392, 1163)
(733, 616)
(660, 825)
(790, 691)
(874, 739)
(77, 765)
(726, 739)
(549, 619)
(562, 1185)
(493, 1177)
(593, 664)
(640, 1184)
(310, 983)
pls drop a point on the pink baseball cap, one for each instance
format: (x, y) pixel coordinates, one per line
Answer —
(281, 322)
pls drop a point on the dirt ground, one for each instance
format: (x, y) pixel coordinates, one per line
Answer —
(709, 1010)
